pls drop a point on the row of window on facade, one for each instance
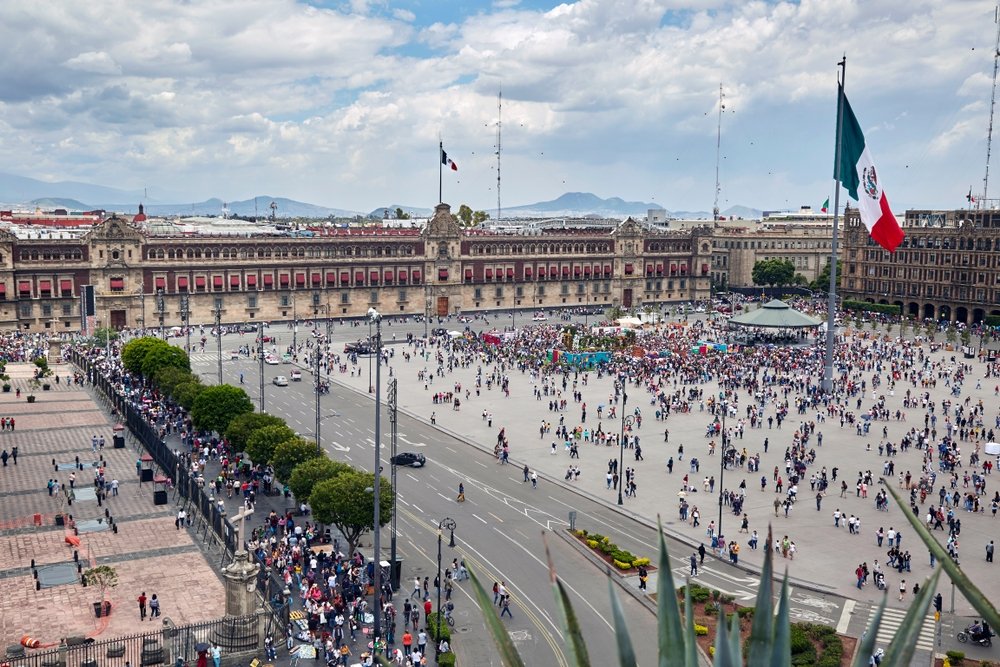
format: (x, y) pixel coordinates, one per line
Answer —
(934, 291)
(283, 281)
(338, 250)
(43, 288)
(907, 273)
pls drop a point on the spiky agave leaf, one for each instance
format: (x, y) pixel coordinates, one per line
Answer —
(969, 590)
(690, 646)
(762, 629)
(505, 645)
(904, 642)
(862, 655)
(671, 637)
(567, 615)
(724, 654)
(781, 648)
(626, 652)
(736, 646)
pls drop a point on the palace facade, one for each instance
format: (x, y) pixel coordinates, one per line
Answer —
(145, 279)
(947, 268)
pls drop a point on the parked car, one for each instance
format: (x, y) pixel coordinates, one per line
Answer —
(234, 355)
(295, 376)
(271, 360)
(280, 381)
(286, 358)
(411, 459)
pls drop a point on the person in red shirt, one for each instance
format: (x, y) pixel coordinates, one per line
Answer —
(142, 606)
(427, 608)
(407, 642)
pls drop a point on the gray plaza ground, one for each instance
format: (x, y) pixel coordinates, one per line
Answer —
(826, 556)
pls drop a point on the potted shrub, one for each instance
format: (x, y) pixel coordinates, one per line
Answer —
(104, 577)
(43, 372)
(33, 385)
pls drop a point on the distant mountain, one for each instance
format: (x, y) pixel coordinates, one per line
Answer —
(259, 206)
(413, 211)
(19, 189)
(581, 204)
(744, 212)
(49, 203)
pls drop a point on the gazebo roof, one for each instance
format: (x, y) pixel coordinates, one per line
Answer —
(775, 314)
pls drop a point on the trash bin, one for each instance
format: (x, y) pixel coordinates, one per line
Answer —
(159, 497)
(119, 441)
(38, 519)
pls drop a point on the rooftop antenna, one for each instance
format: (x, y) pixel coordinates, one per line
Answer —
(993, 100)
(718, 152)
(499, 124)
(274, 211)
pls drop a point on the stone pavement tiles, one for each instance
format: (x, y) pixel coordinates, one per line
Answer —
(826, 556)
(148, 553)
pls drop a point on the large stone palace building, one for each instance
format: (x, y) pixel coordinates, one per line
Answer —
(145, 279)
(736, 247)
(946, 268)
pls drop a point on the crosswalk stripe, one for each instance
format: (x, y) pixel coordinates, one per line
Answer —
(892, 619)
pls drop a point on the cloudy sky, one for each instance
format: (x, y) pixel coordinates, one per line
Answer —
(341, 103)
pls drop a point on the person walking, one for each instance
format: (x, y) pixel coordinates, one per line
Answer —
(416, 588)
(216, 653)
(154, 607)
(505, 607)
(534, 479)
(902, 589)
(989, 552)
(694, 564)
(142, 606)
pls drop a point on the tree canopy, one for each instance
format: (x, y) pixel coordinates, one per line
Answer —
(262, 442)
(186, 393)
(306, 475)
(242, 426)
(773, 272)
(216, 406)
(822, 282)
(291, 453)
(135, 351)
(162, 356)
(344, 502)
(169, 377)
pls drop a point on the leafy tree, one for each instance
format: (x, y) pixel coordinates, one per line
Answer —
(242, 426)
(291, 453)
(773, 272)
(822, 282)
(215, 407)
(103, 335)
(168, 377)
(465, 215)
(479, 217)
(135, 351)
(261, 443)
(799, 279)
(186, 393)
(163, 356)
(306, 475)
(345, 502)
(400, 215)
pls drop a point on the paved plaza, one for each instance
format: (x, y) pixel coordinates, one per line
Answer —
(148, 553)
(826, 556)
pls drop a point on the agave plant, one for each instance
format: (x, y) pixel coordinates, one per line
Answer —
(769, 644)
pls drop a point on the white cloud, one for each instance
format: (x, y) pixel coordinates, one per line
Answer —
(343, 106)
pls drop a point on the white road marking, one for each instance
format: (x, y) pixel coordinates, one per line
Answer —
(845, 616)
(495, 517)
(480, 518)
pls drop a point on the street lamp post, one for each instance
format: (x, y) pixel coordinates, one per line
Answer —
(724, 406)
(160, 308)
(448, 524)
(393, 437)
(295, 326)
(370, 346)
(627, 422)
(374, 316)
(186, 308)
(142, 306)
(260, 360)
(316, 377)
(218, 337)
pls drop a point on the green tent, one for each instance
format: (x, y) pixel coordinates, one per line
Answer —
(775, 314)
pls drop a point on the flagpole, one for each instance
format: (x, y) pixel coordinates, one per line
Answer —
(440, 153)
(832, 296)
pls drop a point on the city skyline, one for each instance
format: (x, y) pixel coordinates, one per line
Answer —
(342, 104)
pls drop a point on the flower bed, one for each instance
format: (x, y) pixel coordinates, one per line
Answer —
(611, 553)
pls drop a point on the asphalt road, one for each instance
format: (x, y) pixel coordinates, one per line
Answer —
(500, 526)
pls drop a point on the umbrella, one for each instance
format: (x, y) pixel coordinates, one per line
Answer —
(202, 646)
(992, 448)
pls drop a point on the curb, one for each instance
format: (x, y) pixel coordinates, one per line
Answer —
(680, 537)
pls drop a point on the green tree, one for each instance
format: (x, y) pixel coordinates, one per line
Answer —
(465, 215)
(479, 217)
(306, 475)
(163, 356)
(216, 406)
(799, 279)
(135, 351)
(773, 272)
(346, 503)
(401, 215)
(822, 282)
(186, 393)
(103, 335)
(242, 426)
(291, 453)
(261, 443)
(168, 377)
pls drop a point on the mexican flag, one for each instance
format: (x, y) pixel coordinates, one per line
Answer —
(826, 205)
(858, 175)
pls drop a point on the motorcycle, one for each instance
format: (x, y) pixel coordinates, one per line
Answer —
(976, 635)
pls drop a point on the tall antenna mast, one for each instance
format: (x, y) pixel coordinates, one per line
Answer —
(718, 153)
(993, 101)
(499, 123)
